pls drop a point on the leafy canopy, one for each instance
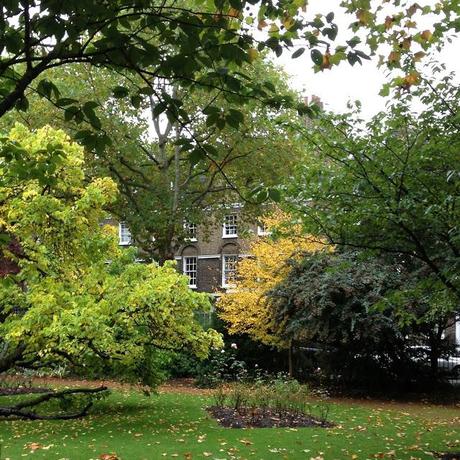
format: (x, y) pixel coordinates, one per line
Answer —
(159, 187)
(197, 44)
(75, 296)
(389, 186)
(246, 308)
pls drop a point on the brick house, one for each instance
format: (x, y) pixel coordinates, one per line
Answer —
(210, 256)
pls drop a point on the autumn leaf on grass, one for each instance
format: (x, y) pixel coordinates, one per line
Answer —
(108, 457)
(389, 454)
(33, 446)
(246, 442)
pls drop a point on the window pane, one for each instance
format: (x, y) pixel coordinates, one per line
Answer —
(190, 269)
(230, 224)
(229, 270)
(191, 230)
(124, 233)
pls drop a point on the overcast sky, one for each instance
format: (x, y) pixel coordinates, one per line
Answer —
(340, 84)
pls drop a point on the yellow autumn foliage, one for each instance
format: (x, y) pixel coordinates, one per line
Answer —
(245, 308)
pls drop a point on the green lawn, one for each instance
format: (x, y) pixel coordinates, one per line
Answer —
(176, 426)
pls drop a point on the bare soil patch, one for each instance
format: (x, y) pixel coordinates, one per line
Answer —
(450, 456)
(184, 386)
(257, 418)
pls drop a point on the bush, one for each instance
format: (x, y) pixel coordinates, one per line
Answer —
(361, 315)
(184, 364)
(221, 366)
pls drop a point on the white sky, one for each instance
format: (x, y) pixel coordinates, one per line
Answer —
(343, 83)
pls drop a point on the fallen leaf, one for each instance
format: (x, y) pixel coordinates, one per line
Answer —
(108, 457)
(246, 442)
(33, 446)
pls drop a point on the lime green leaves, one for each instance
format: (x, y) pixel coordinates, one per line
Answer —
(87, 303)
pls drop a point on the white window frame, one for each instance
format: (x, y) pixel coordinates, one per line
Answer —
(188, 226)
(227, 227)
(262, 230)
(188, 272)
(124, 235)
(457, 332)
(225, 283)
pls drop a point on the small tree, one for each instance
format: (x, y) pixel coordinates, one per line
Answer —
(246, 308)
(73, 296)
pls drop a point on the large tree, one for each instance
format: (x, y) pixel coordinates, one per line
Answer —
(72, 296)
(196, 44)
(391, 185)
(162, 184)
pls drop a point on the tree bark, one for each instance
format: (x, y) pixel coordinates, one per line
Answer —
(290, 360)
(24, 409)
(9, 358)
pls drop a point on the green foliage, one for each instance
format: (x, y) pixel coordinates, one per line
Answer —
(77, 297)
(173, 175)
(201, 44)
(328, 299)
(280, 394)
(183, 364)
(358, 311)
(389, 186)
(221, 366)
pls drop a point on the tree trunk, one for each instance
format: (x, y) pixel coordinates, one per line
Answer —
(8, 358)
(25, 409)
(290, 359)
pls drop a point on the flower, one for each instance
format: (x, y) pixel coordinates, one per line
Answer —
(234, 346)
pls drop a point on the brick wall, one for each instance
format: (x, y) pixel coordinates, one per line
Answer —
(209, 247)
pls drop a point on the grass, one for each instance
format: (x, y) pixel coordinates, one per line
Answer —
(176, 426)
